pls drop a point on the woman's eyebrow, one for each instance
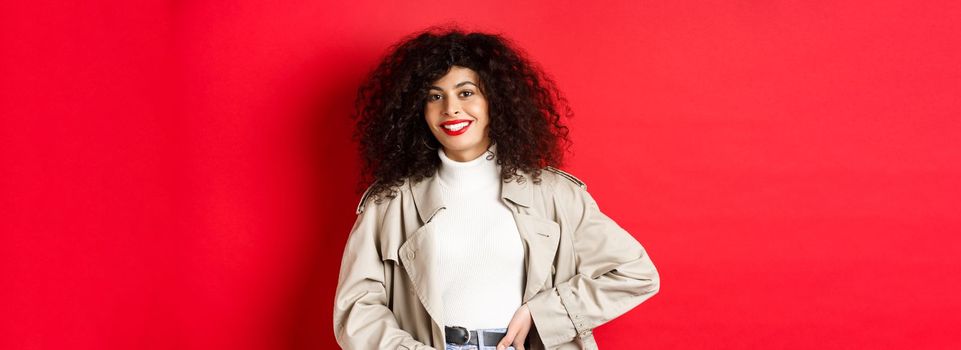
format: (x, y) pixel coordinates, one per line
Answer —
(433, 87)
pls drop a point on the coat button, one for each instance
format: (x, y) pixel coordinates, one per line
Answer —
(410, 255)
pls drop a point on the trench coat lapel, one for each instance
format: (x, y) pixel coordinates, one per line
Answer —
(540, 237)
(427, 198)
(414, 253)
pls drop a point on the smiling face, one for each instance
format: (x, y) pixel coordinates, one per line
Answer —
(456, 112)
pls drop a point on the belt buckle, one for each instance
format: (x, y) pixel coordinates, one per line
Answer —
(483, 336)
(466, 332)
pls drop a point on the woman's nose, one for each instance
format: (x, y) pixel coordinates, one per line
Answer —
(452, 108)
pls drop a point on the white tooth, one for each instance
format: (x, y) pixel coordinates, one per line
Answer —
(455, 127)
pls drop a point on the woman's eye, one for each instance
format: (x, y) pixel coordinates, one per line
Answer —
(467, 93)
(433, 97)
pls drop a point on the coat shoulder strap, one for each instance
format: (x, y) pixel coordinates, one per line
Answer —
(567, 176)
(364, 198)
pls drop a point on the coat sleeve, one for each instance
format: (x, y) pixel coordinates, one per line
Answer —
(362, 319)
(613, 273)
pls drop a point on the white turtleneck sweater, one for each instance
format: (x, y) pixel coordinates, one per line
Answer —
(480, 252)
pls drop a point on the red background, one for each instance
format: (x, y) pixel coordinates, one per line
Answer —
(180, 174)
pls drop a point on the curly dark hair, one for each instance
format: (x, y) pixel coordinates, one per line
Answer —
(395, 142)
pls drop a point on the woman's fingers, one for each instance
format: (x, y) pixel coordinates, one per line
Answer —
(508, 338)
(517, 329)
(519, 339)
(516, 335)
(512, 333)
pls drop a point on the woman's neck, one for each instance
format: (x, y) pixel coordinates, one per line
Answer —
(469, 175)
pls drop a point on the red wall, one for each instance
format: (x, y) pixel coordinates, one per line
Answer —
(180, 175)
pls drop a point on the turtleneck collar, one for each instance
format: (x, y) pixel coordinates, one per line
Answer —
(470, 175)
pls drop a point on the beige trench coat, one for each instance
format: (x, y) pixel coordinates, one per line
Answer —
(582, 269)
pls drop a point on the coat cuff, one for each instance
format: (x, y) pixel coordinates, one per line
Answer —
(554, 323)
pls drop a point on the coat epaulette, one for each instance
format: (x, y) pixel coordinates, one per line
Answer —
(363, 199)
(567, 175)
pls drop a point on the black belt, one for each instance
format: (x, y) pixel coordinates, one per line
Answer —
(460, 336)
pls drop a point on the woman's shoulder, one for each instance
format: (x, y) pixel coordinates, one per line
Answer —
(561, 186)
(557, 176)
(363, 199)
(386, 195)
(564, 193)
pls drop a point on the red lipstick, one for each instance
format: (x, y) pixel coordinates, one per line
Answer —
(445, 125)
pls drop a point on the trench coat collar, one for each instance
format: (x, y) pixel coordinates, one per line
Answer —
(427, 195)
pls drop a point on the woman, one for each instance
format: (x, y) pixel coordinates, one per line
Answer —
(469, 237)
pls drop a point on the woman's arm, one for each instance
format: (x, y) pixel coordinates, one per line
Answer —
(361, 317)
(614, 273)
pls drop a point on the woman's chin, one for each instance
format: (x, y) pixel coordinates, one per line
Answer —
(459, 147)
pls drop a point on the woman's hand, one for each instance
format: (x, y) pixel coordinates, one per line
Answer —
(517, 329)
